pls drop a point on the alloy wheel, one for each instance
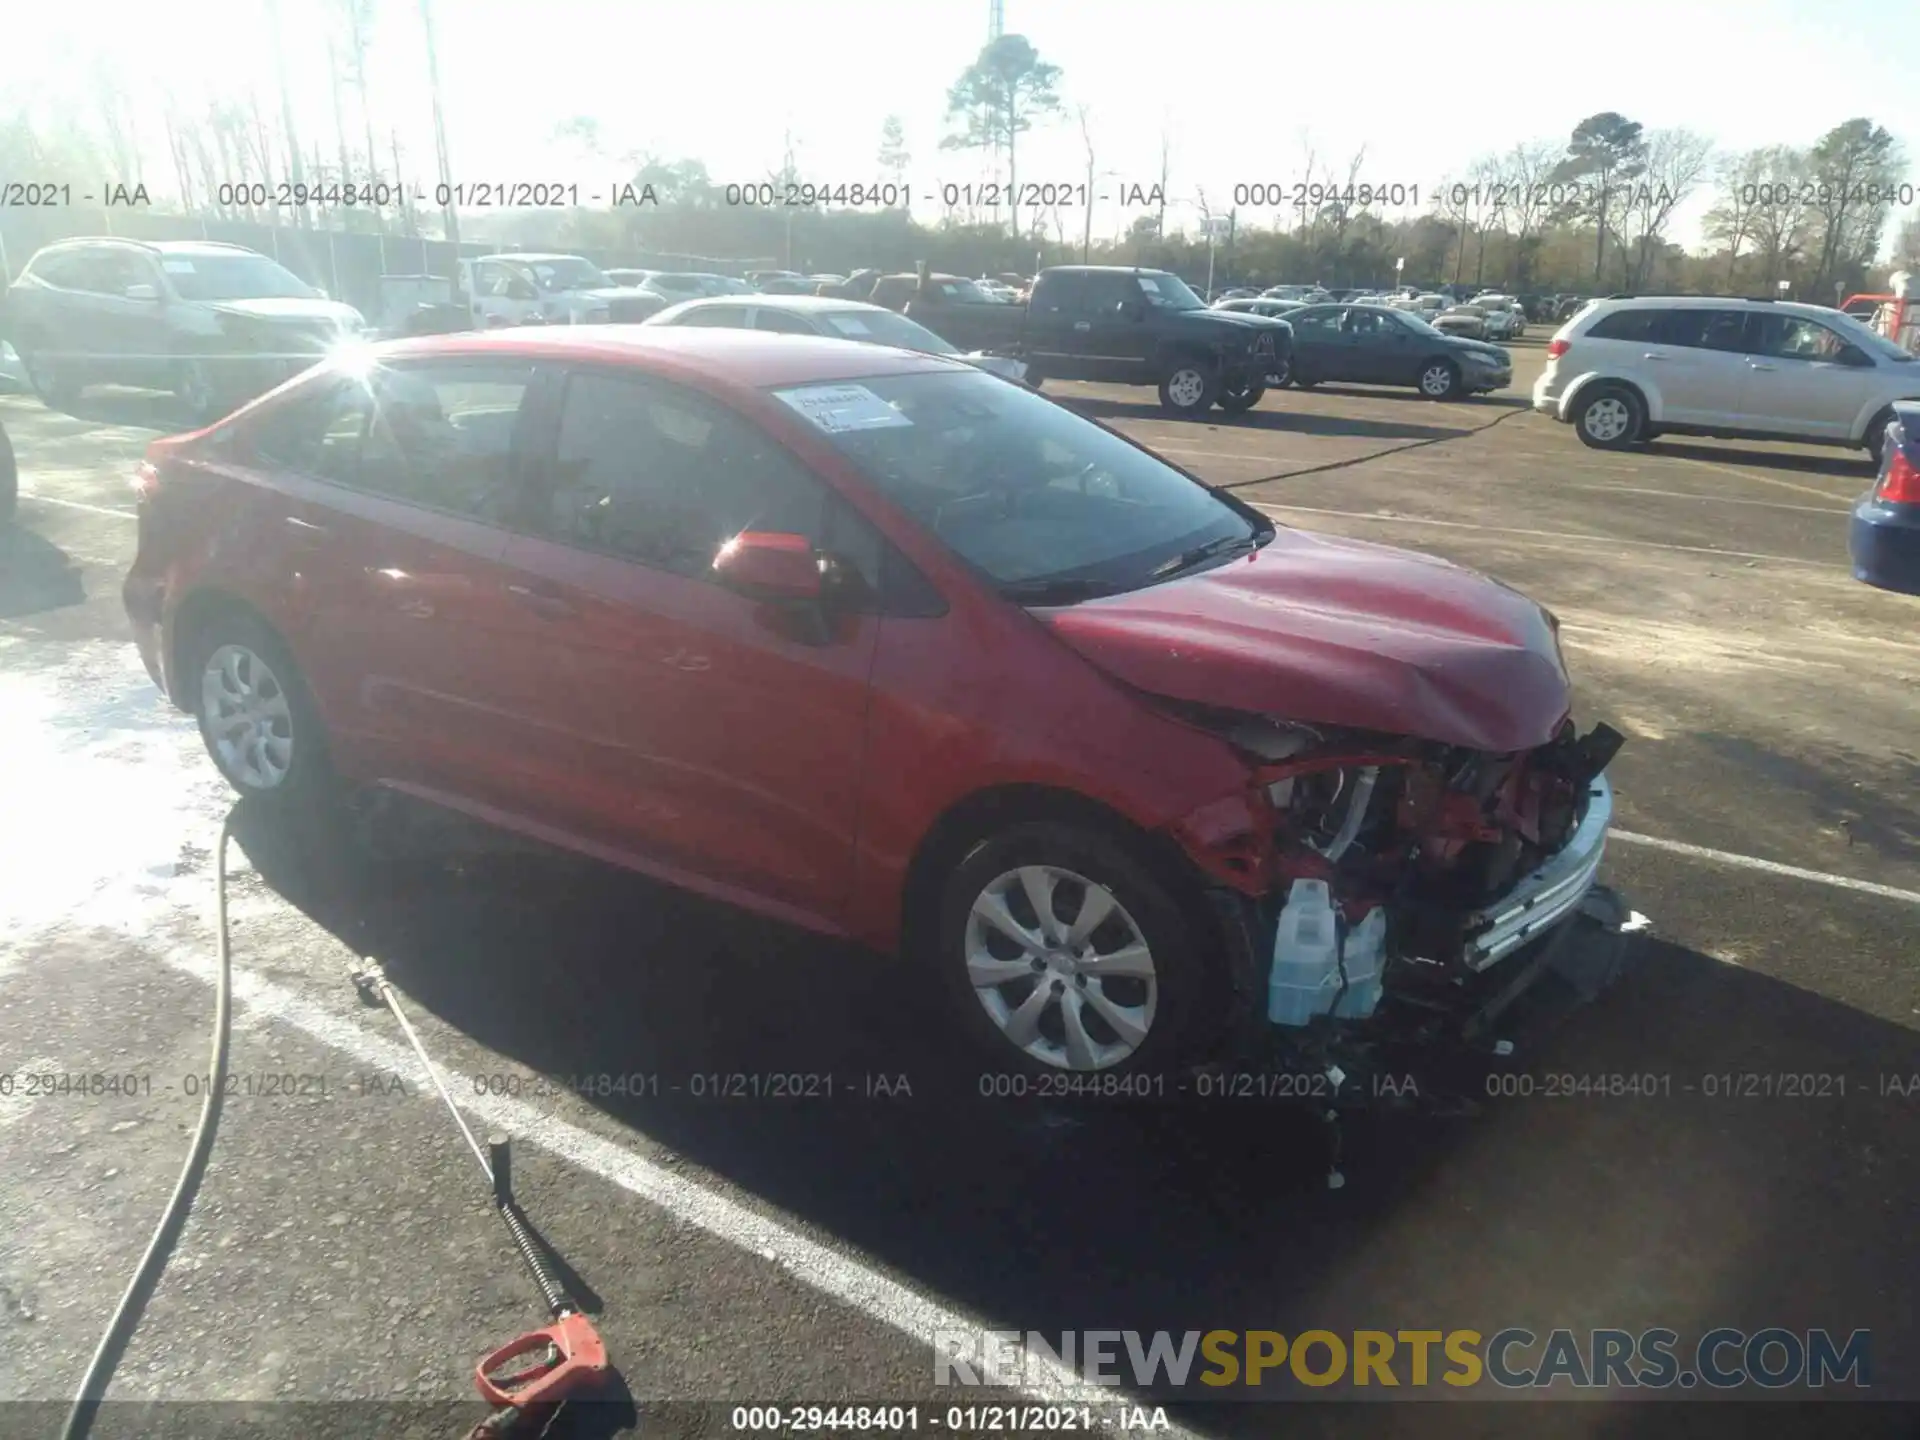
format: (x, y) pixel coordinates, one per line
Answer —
(194, 390)
(249, 721)
(1436, 380)
(1061, 968)
(1606, 419)
(1186, 386)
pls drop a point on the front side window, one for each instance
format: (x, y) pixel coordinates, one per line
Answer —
(1048, 506)
(314, 431)
(651, 473)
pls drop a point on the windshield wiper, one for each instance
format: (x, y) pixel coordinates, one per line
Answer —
(1213, 549)
(1056, 592)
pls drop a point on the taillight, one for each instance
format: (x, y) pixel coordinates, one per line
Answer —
(1556, 348)
(1901, 484)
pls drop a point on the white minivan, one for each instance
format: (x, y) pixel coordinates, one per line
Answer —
(1622, 371)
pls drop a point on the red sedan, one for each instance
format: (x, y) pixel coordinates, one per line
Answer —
(885, 647)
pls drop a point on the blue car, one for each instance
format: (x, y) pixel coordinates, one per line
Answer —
(1885, 535)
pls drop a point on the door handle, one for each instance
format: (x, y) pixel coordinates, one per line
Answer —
(1756, 365)
(547, 604)
(1650, 355)
(303, 527)
(1082, 325)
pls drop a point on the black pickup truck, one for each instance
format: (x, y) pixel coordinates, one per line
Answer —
(1123, 327)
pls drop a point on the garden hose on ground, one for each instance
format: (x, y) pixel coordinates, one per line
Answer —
(133, 1304)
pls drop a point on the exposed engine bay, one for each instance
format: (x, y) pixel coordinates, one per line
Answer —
(1474, 858)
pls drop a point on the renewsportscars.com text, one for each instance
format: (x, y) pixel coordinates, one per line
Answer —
(1513, 1358)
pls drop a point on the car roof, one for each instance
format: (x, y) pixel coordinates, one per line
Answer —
(165, 247)
(804, 304)
(1712, 302)
(528, 255)
(738, 359)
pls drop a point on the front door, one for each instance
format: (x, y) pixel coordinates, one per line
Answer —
(1316, 342)
(1799, 380)
(722, 736)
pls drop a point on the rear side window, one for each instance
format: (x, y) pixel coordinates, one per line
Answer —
(1703, 329)
(651, 473)
(781, 323)
(315, 431)
(716, 317)
(441, 436)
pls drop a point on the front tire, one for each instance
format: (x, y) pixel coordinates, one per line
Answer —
(1236, 399)
(1061, 951)
(1876, 438)
(1610, 417)
(1189, 387)
(193, 387)
(1440, 380)
(257, 717)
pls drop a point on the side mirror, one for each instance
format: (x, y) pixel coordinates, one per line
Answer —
(768, 565)
(141, 292)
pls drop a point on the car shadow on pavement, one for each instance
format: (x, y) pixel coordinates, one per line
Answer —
(1294, 422)
(1881, 820)
(1711, 1197)
(35, 574)
(1850, 464)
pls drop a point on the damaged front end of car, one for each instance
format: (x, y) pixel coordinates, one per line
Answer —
(1483, 866)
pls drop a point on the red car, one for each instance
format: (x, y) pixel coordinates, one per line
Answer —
(883, 646)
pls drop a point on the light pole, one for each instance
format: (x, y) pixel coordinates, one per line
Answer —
(451, 216)
(1399, 266)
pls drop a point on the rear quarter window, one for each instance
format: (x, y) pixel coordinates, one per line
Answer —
(1624, 325)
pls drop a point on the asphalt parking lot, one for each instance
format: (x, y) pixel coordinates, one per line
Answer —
(760, 1251)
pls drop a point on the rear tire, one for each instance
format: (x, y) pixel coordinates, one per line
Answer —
(9, 480)
(53, 380)
(1051, 993)
(1189, 387)
(1876, 437)
(257, 717)
(193, 387)
(1610, 417)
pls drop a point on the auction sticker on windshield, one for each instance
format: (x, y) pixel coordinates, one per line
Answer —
(839, 408)
(849, 324)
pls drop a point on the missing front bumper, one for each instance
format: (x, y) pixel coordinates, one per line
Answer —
(1547, 895)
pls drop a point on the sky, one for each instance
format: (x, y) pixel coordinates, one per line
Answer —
(1238, 90)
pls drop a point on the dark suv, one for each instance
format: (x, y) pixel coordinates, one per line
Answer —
(215, 324)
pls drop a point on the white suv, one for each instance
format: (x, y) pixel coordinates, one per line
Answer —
(1622, 371)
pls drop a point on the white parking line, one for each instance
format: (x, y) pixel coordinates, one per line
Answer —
(1608, 541)
(835, 1275)
(79, 505)
(1766, 867)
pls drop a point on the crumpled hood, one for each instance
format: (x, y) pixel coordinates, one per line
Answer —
(1338, 632)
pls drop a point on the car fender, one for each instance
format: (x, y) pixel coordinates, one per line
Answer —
(1649, 392)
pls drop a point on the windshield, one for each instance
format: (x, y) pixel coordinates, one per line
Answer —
(1871, 340)
(1050, 507)
(233, 277)
(1168, 292)
(569, 272)
(963, 290)
(724, 285)
(883, 327)
(1415, 323)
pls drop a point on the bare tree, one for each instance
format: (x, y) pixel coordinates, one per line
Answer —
(894, 158)
(1086, 139)
(1853, 165)
(1451, 206)
(1905, 254)
(1484, 208)
(1780, 218)
(1737, 182)
(1676, 162)
(1528, 198)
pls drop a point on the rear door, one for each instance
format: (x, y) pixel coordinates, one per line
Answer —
(1316, 342)
(1696, 358)
(1802, 377)
(722, 738)
(400, 491)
